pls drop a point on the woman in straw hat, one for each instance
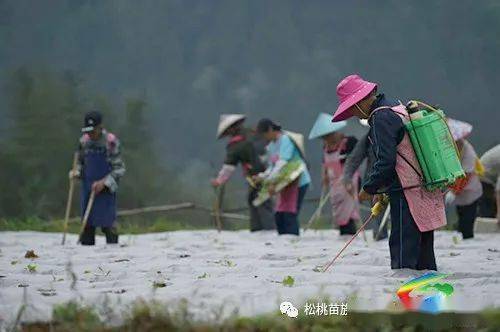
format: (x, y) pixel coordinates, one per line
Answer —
(415, 212)
(284, 147)
(466, 192)
(246, 149)
(336, 148)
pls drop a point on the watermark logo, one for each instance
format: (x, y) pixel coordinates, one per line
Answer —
(426, 293)
(325, 309)
(288, 309)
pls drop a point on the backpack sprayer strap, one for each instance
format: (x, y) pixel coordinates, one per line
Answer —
(403, 157)
(412, 107)
(411, 165)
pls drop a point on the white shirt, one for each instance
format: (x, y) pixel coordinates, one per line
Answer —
(473, 190)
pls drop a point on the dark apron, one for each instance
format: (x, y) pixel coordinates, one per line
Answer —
(96, 167)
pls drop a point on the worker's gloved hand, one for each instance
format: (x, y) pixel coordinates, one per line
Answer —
(364, 196)
(378, 198)
(449, 198)
(98, 186)
(258, 178)
(73, 174)
(215, 182)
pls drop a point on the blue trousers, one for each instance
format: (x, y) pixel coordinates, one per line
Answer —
(287, 222)
(410, 248)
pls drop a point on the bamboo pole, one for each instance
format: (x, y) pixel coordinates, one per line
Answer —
(86, 215)
(317, 213)
(160, 208)
(216, 209)
(234, 216)
(375, 211)
(70, 197)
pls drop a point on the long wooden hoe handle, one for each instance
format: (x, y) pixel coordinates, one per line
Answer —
(70, 198)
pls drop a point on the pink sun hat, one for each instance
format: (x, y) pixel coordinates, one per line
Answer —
(350, 91)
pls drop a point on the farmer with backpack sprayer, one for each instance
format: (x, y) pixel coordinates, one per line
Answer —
(417, 208)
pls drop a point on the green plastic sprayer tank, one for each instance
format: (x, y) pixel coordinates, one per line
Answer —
(434, 148)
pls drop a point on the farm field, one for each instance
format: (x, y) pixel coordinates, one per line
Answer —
(222, 274)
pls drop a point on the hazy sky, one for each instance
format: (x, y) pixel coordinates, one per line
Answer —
(192, 60)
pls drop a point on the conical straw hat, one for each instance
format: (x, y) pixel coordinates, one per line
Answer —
(298, 139)
(324, 126)
(226, 121)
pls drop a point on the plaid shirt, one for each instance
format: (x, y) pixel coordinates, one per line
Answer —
(111, 143)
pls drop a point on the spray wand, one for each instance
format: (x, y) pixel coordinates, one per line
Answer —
(375, 211)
